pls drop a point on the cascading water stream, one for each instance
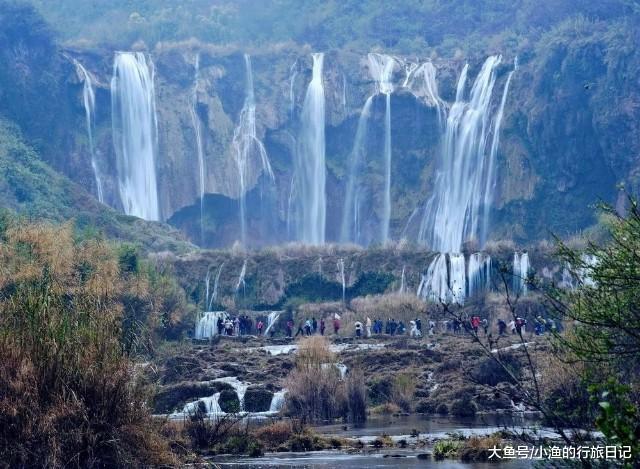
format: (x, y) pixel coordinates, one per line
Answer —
(521, 269)
(241, 282)
(464, 183)
(342, 279)
(310, 168)
(479, 273)
(214, 294)
(381, 68)
(134, 125)
(89, 102)
(453, 217)
(248, 146)
(207, 326)
(350, 229)
(271, 320)
(195, 120)
(402, 281)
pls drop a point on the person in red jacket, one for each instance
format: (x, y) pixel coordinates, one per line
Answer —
(336, 326)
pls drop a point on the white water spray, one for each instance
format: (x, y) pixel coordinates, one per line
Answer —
(381, 68)
(89, 102)
(243, 273)
(195, 120)
(134, 133)
(247, 146)
(310, 168)
(521, 269)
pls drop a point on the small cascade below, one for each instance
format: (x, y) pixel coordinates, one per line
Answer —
(207, 281)
(207, 326)
(197, 130)
(402, 282)
(309, 165)
(435, 284)
(241, 282)
(214, 294)
(521, 269)
(351, 228)
(247, 146)
(457, 277)
(271, 320)
(277, 401)
(445, 280)
(210, 298)
(342, 279)
(381, 68)
(211, 405)
(479, 273)
(89, 102)
(135, 129)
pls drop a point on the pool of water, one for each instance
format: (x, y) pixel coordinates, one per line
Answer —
(332, 459)
(398, 428)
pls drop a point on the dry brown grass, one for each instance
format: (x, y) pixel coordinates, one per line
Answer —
(274, 434)
(316, 391)
(67, 391)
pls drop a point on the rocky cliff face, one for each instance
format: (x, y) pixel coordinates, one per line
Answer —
(569, 134)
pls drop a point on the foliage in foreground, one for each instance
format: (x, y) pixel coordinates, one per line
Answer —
(68, 394)
(605, 309)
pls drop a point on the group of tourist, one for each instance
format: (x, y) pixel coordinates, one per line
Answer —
(237, 326)
(243, 325)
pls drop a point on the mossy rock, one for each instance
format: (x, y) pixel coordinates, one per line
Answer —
(229, 401)
(257, 399)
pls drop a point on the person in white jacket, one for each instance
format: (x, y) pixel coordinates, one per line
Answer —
(368, 323)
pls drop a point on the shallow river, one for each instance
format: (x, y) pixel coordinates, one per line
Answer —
(398, 428)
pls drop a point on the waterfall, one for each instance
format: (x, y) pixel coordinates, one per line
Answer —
(521, 269)
(491, 173)
(195, 120)
(457, 277)
(89, 101)
(435, 284)
(243, 272)
(271, 320)
(209, 299)
(465, 181)
(277, 401)
(342, 279)
(453, 215)
(207, 278)
(292, 82)
(402, 280)
(421, 80)
(211, 404)
(214, 294)
(445, 279)
(350, 229)
(310, 161)
(381, 68)
(134, 124)
(207, 325)
(479, 273)
(247, 145)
